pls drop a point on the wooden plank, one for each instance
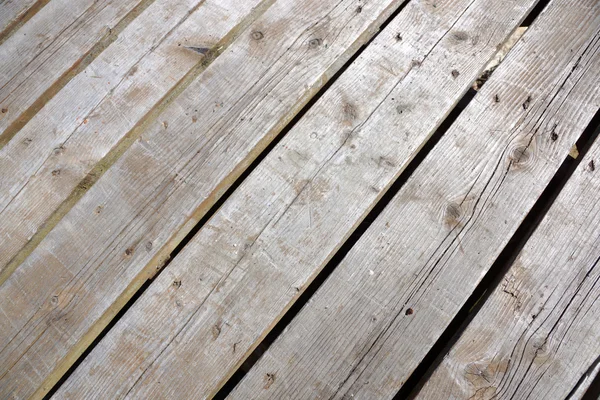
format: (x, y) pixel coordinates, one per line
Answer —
(13, 13)
(388, 301)
(46, 164)
(125, 226)
(223, 292)
(46, 51)
(538, 334)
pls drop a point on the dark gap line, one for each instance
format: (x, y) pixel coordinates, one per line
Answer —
(593, 391)
(209, 214)
(500, 267)
(355, 236)
(361, 229)
(533, 14)
(345, 248)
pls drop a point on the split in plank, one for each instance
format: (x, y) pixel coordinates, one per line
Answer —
(60, 153)
(383, 307)
(219, 297)
(538, 334)
(126, 225)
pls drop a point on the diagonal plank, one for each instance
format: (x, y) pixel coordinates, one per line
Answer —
(538, 333)
(384, 306)
(55, 158)
(44, 53)
(13, 13)
(223, 292)
(126, 225)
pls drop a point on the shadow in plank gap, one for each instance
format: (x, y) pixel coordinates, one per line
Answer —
(500, 267)
(588, 386)
(217, 205)
(344, 249)
(239, 274)
(104, 110)
(378, 208)
(139, 210)
(383, 307)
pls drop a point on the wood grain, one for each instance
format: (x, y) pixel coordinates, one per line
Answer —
(384, 306)
(127, 224)
(14, 13)
(222, 294)
(57, 156)
(44, 53)
(537, 335)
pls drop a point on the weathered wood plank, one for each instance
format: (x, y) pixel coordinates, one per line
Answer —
(46, 164)
(13, 13)
(538, 333)
(217, 299)
(387, 302)
(125, 226)
(44, 53)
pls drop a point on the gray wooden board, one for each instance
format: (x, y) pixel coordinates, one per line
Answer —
(537, 336)
(217, 299)
(12, 12)
(384, 306)
(59, 299)
(41, 53)
(73, 135)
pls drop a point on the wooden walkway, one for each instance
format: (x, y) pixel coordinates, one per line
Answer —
(315, 199)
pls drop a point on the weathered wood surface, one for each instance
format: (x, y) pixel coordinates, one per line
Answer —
(13, 12)
(538, 333)
(218, 298)
(44, 53)
(387, 302)
(124, 227)
(54, 158)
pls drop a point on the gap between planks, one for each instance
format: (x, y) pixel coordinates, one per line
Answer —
(386, 198)
(526, 306)
(467, 78)
(295, 354)
(89, 161)
(498, 270)
(323, 62)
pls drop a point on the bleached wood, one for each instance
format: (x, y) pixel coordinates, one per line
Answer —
(13, 11)
(217, 299)
(50, 158)
(537, 336)
(384, 306)
(124, 227)
(42, 52)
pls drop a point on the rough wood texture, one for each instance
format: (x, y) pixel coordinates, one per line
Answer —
(537, 335)
(386, 304)
(125, 226)
(42, 54)
(15, 12)
(217, 299)
(54, 158)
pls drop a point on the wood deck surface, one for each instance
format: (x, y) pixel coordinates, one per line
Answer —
(299, 199)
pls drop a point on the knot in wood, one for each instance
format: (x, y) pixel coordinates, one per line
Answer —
(314, 43)
(452, 214)
(520, 155)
